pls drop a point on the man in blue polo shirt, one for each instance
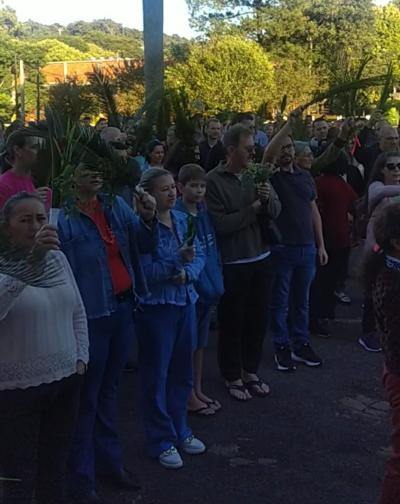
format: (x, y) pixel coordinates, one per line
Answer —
(294, 262)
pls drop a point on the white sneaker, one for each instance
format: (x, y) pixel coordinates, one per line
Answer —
(343, 297)
(170, 459)
(193, 446)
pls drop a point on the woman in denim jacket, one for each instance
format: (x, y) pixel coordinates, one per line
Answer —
(103, 240)
(167, 326)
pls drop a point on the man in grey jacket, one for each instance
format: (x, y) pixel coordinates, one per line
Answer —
(241, 214)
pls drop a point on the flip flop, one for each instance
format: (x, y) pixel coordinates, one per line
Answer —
(242, 388)
(202, 411)
(214, 404)
(253, 385)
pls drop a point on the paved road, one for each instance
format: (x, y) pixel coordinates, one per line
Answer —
(321, 438)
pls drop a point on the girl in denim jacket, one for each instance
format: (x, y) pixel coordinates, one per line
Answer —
(167, 326)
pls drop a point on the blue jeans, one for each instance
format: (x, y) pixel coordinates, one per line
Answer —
(165, 335)
(293, 270)
(96, 444)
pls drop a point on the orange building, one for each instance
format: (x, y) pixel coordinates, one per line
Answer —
(61, 71)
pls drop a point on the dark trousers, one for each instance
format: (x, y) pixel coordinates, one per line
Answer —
(36, 427)
(328, 278)
(166, 336)
(96, 443)
(391, 482)
(368, 317)
(343, 268)
(242, 315)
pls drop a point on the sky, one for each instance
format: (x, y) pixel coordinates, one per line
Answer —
(127, 12)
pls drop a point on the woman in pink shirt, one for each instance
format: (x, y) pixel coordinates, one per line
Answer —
(22, 150)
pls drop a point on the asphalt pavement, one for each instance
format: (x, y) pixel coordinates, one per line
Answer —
(322, 437)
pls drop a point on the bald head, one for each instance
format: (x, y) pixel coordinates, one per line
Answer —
(111, 134)
(388, 138)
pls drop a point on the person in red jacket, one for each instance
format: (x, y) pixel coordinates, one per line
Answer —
(335, 201)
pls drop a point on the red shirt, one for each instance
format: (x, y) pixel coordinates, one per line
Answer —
(335, 201)
(120, 276)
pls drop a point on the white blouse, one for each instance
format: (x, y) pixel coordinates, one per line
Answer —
(43, 332)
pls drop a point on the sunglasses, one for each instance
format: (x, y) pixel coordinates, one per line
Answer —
(393, 166)
(118, 145)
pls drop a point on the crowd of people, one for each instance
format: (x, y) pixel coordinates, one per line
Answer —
(192, 238)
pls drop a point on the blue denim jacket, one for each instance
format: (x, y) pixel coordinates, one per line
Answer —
(165, 262)
(210, 285)
(82, 244)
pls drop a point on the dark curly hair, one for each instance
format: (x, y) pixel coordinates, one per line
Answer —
(150, 147)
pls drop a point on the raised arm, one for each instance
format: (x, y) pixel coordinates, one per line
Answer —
(331, 153)
(273, 148)
(377, 191)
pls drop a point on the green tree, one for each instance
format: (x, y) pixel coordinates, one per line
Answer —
(226, 73)
(308, 41)
(387, 42)
(8, 21)
(6, 106)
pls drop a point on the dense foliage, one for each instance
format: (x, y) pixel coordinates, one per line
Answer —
(249, 54)
(38, 44)
(225, 73)
(312, 44)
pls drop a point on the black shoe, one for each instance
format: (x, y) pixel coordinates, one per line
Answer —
(91, 498)
(123, 480)
(318, 328)
(306, 355)
(370, 342)
(283, 359)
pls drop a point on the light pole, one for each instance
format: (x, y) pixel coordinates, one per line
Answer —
(153, 35)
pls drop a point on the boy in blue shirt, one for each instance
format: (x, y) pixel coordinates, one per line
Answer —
(192, 185)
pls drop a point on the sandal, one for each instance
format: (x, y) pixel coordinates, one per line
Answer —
(241, 388)
(214, 404)
(255, 387)
(203, 411)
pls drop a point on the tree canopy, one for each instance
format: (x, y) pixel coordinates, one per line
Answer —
(311, 43)
(248, 53)
(225, 73)
(38, 44)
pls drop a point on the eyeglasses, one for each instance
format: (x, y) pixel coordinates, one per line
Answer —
(392, 166)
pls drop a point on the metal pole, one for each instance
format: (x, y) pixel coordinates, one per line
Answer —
(38, 94)
(16, 90)
(22, 88)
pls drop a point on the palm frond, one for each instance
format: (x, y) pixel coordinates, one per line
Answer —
(387, 88)
(71, 99)
(283, 104)
(105, 90)
(354, 92)
(346, 87)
